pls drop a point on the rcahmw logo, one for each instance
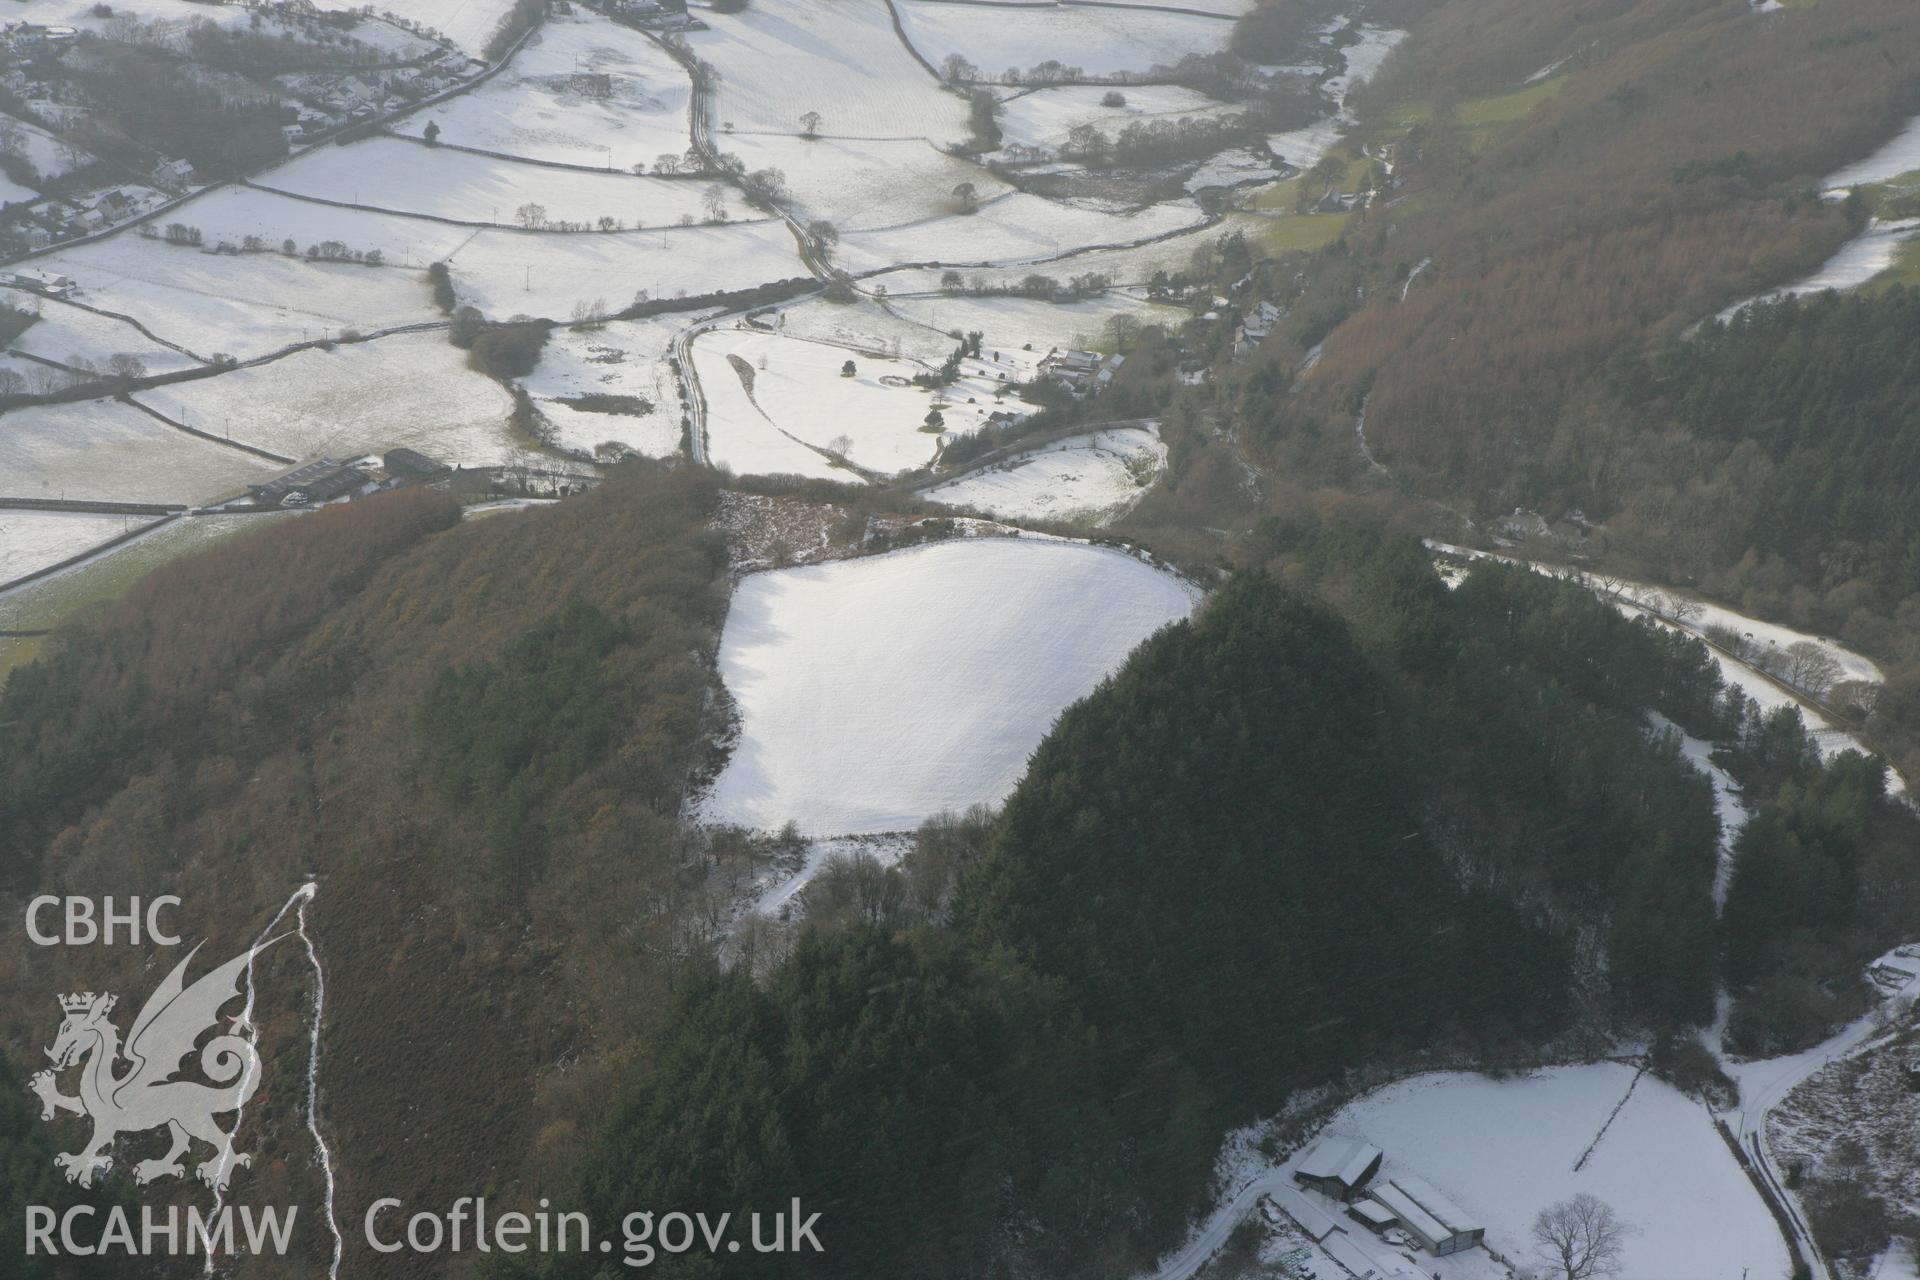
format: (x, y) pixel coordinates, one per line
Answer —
(128, 1087)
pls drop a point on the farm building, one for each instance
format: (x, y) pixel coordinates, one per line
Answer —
(1338, 1167)
(1895, 971)
(1309, 1217)
(410, 464)
(1429, 1217)
(320, 481)
(1372, 1215)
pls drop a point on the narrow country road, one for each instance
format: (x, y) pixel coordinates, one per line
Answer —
(1213, 1235)
(1765, 1084)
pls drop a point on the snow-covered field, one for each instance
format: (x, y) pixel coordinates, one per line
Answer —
(507, 273)
(862, 183)
(1133, 265)
(1098, 41)
(407, 177)
(1018, 228)
(876, 692)
(839, 58)
(504, 271)
(1044, 117)
(1092, 477)
(1363, 59)
(49, 156)
(1225, 8)
(800, 397)
(537, 108)
(1898, 156)
(1303, 148)
(1853, 665)
(1012, 323)
(1505, 1149)
(244, 305)
(743, 438)
(866, 325)
(64, 331)
(623, 358)
(1231, 168)
(32, 540)
(470, 24)
(411, 389)
(231, 214)
(1858, 261)
(174, 17)
(111, 452)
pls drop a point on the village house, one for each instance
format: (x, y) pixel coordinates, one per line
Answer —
(50, 283)
(1078, 371)
(24, 37)
(1254, 327)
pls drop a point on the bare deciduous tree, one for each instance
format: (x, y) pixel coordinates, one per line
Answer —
(1810, 668)
(127, 367)
(1581, 1238)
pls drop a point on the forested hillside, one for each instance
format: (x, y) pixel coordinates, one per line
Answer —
(1556, 204)
(1669, 172)
(1346, 821)
(474, 736)
(28, 1176)
(1776, 458)
(1578, 187)
(1285, 842)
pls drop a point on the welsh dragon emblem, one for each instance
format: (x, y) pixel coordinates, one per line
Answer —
(144, 1095)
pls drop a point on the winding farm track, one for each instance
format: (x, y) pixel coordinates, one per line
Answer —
(1213, 1235)
(1764, 1085)
(696, 399)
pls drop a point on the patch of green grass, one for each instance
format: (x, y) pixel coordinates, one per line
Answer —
(1505, 108)
(1405, 115)
(1905, 269)
(1484, 119)
(1896, 197)
(1278, 197)
(1301, 231)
